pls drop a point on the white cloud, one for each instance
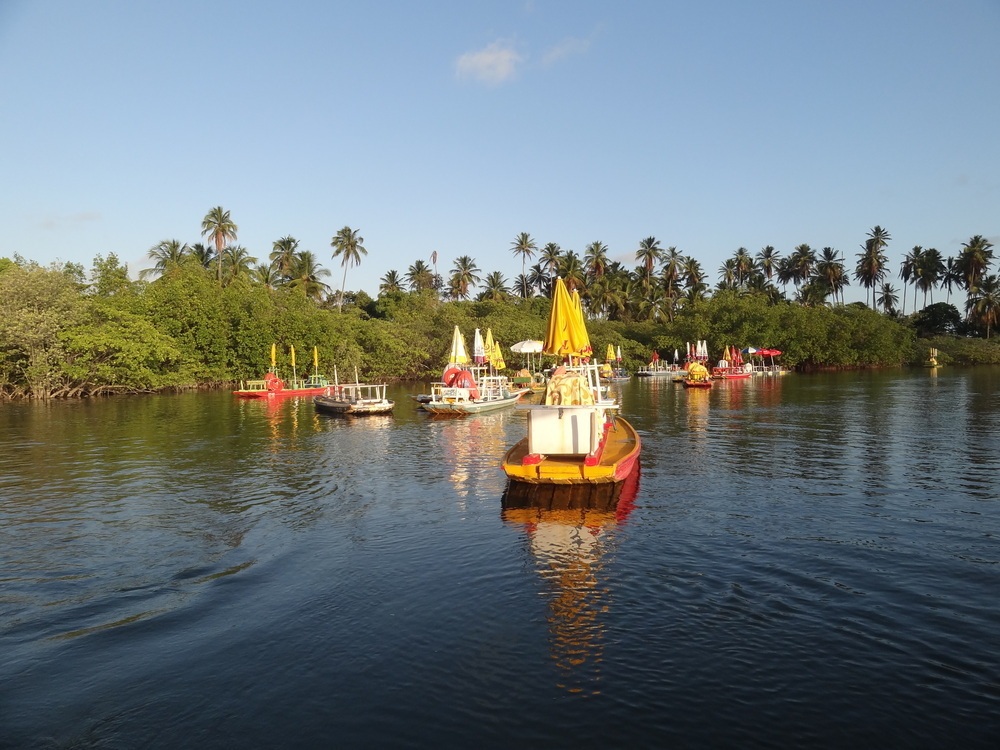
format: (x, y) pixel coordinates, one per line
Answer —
(566, 48)
(494, 64)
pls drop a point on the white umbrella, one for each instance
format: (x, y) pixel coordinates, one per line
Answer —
(527, 347)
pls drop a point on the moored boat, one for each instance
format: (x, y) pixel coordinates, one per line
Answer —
(697, 376)
(355, 398)
(273, 386)
(576, 442)
(471, 391)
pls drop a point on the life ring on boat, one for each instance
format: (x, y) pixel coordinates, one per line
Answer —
(538, 379)
(274, 383)
(464, 379)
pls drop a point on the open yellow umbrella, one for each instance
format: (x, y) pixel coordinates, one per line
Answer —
(566, 332)
(458, 354)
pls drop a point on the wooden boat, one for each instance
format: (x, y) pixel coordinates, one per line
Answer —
(273, 386)
(697, 376)
(576, 443)
(469, 390)
(355, 398)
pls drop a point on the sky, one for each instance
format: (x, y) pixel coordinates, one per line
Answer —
(451, 127)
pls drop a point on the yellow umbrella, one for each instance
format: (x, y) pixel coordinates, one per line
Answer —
(458, 354)
(610, 356)
(274, 352)
(565, 334)
(293, 355)
(585, 350)
(496, 359)
(489, 345)
(315, 359)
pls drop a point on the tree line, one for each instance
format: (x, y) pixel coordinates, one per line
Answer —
(205, 315)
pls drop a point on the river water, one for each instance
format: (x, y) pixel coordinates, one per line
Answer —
(808, 560)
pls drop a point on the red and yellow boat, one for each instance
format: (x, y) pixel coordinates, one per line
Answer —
(577, 444)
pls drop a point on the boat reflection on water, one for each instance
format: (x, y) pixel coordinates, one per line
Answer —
(570, 541)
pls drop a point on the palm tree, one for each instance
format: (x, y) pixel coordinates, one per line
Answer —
(283, 253)
(524, 246)
(419, 276)
(266, 275)
(220, 228)
(549, 257)
(539, 280)
(347, 245)
(930, 269)
(802, 261)
(831, 270)
(974, 261)
(692, 274)
(203, 254)
(744, 266)
(595, 259)
(237, 261)
(727, 274)
(305, 276)
(648, 255)
(768, 261)
(908, 270)
(571, 269)
(494, 287)
(167, 254)
(887, 298)
(391, 282)
(872, 261)
(984, 302)
(464, 274)
(952, 278)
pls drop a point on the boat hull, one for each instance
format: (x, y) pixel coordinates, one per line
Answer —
(284, 393)
(697, 384)
(441, 406)
(615, 460)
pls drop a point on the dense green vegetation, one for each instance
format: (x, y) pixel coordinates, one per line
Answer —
(206, 315)
(66, 333)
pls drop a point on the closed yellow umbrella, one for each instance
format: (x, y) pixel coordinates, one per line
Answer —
(610, 355)
(293, 355)
(274, 355)
(458, 354)
(566, 333)
(489, 345)
(581, 322)
(496, 359)
(315, 359)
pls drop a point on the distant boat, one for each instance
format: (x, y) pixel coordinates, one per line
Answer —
(273, 386)
(470, 390)
(355, 398)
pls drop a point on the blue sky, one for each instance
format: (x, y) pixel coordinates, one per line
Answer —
(453, 126)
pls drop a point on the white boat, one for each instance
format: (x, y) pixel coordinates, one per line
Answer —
(469, 390)
(355, 398)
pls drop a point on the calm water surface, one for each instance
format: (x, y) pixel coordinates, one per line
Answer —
(808, 561)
